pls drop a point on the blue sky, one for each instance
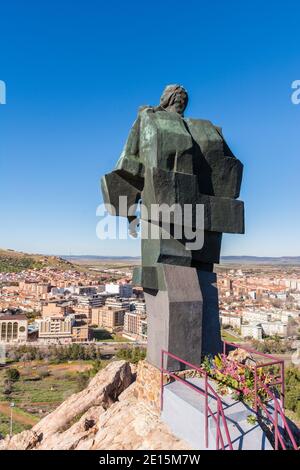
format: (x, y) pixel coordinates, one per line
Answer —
(76, 73)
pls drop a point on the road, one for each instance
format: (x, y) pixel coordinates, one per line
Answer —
(17, 415)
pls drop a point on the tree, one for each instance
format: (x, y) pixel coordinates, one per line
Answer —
(12, 374)
(292, 390)
(132, 355)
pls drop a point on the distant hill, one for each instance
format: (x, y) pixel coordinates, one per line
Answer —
(101, 261)
(100, 258)
(288, 260)
(285, 260)
(15, 261)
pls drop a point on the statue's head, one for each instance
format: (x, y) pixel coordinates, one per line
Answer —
(174, 99)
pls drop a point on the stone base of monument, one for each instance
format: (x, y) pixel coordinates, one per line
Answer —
(148, 384)
(184, 412)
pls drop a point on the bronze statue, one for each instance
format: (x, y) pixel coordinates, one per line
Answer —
(169, 160)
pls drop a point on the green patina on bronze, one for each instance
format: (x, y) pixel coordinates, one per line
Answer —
(170, 159)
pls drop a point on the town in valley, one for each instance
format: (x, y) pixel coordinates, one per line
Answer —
(64, 318)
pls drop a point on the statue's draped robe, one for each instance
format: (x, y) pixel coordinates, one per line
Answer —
(168, 159)
(171, 160)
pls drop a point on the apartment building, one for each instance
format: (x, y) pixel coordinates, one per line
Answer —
(126, 290)
(90, 301)
(117, 303)
(56, 309)
(55, 329)
(36, 288)
(108, 317)
(234, 321)
(259, 330)
(135, 325)
(139, 306)
(63, 330)
(252, 331)
(80, 332)
(256, 316)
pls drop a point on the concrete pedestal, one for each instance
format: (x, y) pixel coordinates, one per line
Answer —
(183, 319)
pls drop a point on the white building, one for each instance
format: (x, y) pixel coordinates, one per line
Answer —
(13, 329)
(123, 290)
(55, 329)
(258, 330)
(252, 331)
(233, 321)
(256, 316)
(275, 328)
(112, 289)
(83, 290)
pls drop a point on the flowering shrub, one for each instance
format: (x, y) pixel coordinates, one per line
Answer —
(236, 378)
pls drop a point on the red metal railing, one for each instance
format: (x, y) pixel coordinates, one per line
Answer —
(217, 416)
(278, 405)
(274, 361)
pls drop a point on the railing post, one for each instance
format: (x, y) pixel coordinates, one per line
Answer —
(224, 348)
(255, 389)
(162, 381)
(218, 428)
(206, 412)
(276, 426)
(282, 385)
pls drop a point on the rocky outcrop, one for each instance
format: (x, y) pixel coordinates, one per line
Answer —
(109, 414)
(242, 357)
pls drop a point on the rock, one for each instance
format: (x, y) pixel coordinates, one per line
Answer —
(109, 414)
(241, 356)
(103, 390)
(141, 428)
(79, 431)
(26, 440)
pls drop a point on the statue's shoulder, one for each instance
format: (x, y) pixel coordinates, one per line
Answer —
(204, 124)
(141, 112)
(146, 109)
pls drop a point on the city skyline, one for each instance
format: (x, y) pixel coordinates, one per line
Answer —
(89, 73)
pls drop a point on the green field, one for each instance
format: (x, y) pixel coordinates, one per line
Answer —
(228, 337)
(5, 425)
(40, 389)
(103, 335)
